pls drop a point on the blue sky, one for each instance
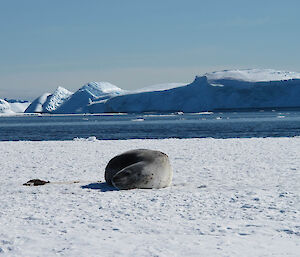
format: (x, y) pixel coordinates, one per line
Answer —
(45, 44)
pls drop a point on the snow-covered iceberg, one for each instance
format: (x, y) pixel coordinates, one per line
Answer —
(158, 87)
(56, 99)
(252, 75)
(228, 89)
(99, 105)
(47, 102)
(17, 106)
(184, 98)
(5, 107)
(235, 89)
(93, 91)
(37, 104)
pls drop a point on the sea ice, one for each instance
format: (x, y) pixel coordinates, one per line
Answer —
(230, 197)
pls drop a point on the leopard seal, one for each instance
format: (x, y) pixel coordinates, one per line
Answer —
(139, 168)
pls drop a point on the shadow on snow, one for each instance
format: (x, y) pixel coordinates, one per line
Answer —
(103, 187)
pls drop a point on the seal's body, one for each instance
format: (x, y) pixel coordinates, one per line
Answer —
(140, 168)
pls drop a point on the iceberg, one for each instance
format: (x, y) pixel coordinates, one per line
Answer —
(219, 90)
(159, 87)
(230, 89)
(47, 102)
(37, 104)
(252, 75)
(17, 106)
(55, 100)
(94, 91)
(5, 107)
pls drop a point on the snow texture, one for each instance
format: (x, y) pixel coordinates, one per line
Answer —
(230, 197)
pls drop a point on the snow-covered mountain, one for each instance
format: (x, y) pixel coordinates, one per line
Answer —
(232, 89)
(5, 107)
(93, 91)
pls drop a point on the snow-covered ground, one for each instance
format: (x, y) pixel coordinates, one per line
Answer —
(230, 197)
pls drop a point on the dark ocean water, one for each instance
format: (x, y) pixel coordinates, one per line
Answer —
(245, 124)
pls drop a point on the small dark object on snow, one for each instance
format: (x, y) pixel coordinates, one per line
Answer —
(35, 182)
